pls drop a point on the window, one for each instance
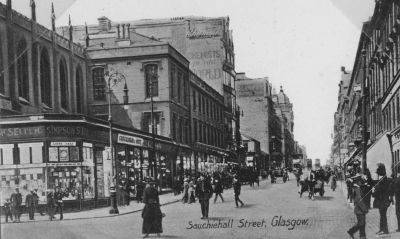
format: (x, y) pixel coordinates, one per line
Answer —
(99, 84)
(45, 79)
(64, 90)
(173, 131)
(194, 100)
(2, 90)
(79, 87)
(30, 153)
(6, 154)
(179, 87)
(199, 101)
(22, 68)
(146, 122)
(398, 109)
(194, 130)
(173, 83)
(151, 78)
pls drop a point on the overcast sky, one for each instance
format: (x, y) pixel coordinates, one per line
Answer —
(299, 44)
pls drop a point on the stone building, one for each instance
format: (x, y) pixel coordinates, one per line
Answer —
(205, 42)
(258, 119)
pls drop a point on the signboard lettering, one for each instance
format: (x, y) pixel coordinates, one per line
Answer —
(63, 143)
(127, 139)
(19, 132)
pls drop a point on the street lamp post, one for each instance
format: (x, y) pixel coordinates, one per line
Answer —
(112, 80)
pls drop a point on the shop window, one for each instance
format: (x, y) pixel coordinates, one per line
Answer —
(99, 84)
(146, 122)
(151, 78)
(68, 178)
(30, 153)
(64, 154)
(22, 68)
(6, 154)
(1, 68)
(64, 88)
(87, 154)
(45, 78)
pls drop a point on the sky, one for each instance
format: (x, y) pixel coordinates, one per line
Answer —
(299, 44)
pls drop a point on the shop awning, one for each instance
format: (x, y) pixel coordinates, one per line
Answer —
(379, 152)
(352, 156)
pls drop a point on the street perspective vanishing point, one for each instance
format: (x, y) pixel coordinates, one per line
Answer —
(266, 119)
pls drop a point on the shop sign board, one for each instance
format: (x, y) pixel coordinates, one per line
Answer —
(54, 144)
(7, 134)
(127, 139)
(64, 164)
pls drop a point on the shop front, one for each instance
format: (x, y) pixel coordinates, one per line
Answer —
(44, 153)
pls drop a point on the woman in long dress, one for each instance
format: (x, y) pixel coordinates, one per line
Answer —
(151, 214)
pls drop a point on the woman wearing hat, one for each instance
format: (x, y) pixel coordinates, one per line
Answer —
(151, 214)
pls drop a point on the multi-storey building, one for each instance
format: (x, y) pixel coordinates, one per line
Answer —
(54, 102)
(378, 66)
(258, 119)
(205, 42)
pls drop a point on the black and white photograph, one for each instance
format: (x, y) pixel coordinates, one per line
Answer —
(194, 119)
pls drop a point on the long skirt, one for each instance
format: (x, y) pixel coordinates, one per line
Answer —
(152, 220)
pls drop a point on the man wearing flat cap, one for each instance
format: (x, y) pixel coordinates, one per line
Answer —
(360, 208)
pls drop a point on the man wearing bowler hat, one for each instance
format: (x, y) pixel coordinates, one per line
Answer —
(204, 193)
(381, 193)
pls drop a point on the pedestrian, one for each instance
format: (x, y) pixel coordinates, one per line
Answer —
(218, 189)
(51, 204)
(396, 192)
(16, 201)
(151, 214)
(204, 193)
(30, 205)
(192, 197)
(311, 184)
(58, 197)
(381, 193)
(139, 191)
(36, 202)
(185, 197)
(333, 182)
(237, 185)
(7, 209)
(368, 187)
(360, 208)
(349, 188)
(256, 178)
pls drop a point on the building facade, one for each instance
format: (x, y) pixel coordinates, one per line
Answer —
(205, 42)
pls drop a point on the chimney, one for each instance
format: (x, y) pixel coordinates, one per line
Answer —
(33, 10)
(118, 31)
(53, 18)
(87, 35)
(128, 34)
(70, 28)
(104, 24)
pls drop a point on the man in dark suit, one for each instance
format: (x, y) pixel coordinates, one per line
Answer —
(360, 208)
(396, 191)
(204, 193)
(381, 193)
(16, 201)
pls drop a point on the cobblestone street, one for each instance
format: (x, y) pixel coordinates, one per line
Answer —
(328, 217)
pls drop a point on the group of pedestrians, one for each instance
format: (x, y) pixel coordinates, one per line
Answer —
(13, 206)
(385, 192)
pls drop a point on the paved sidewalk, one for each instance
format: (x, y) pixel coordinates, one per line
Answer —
(165, 199)
(373, 217)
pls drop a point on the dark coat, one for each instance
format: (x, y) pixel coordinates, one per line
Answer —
(237, 186)
(16, 199)
(382, 193)
(204, 189)
(359, 204)
(218, 186)
(151, 214)
(29, 200)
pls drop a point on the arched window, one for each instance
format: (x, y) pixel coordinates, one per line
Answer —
(45, 79)
(63, 83)
(99, 84)
(79, 90)
(22, 68)
(2, 90)
(151, 77)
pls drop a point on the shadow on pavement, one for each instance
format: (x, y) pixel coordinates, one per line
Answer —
(247, 205)
(168, 236)
(217, 218)
(325, 198)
